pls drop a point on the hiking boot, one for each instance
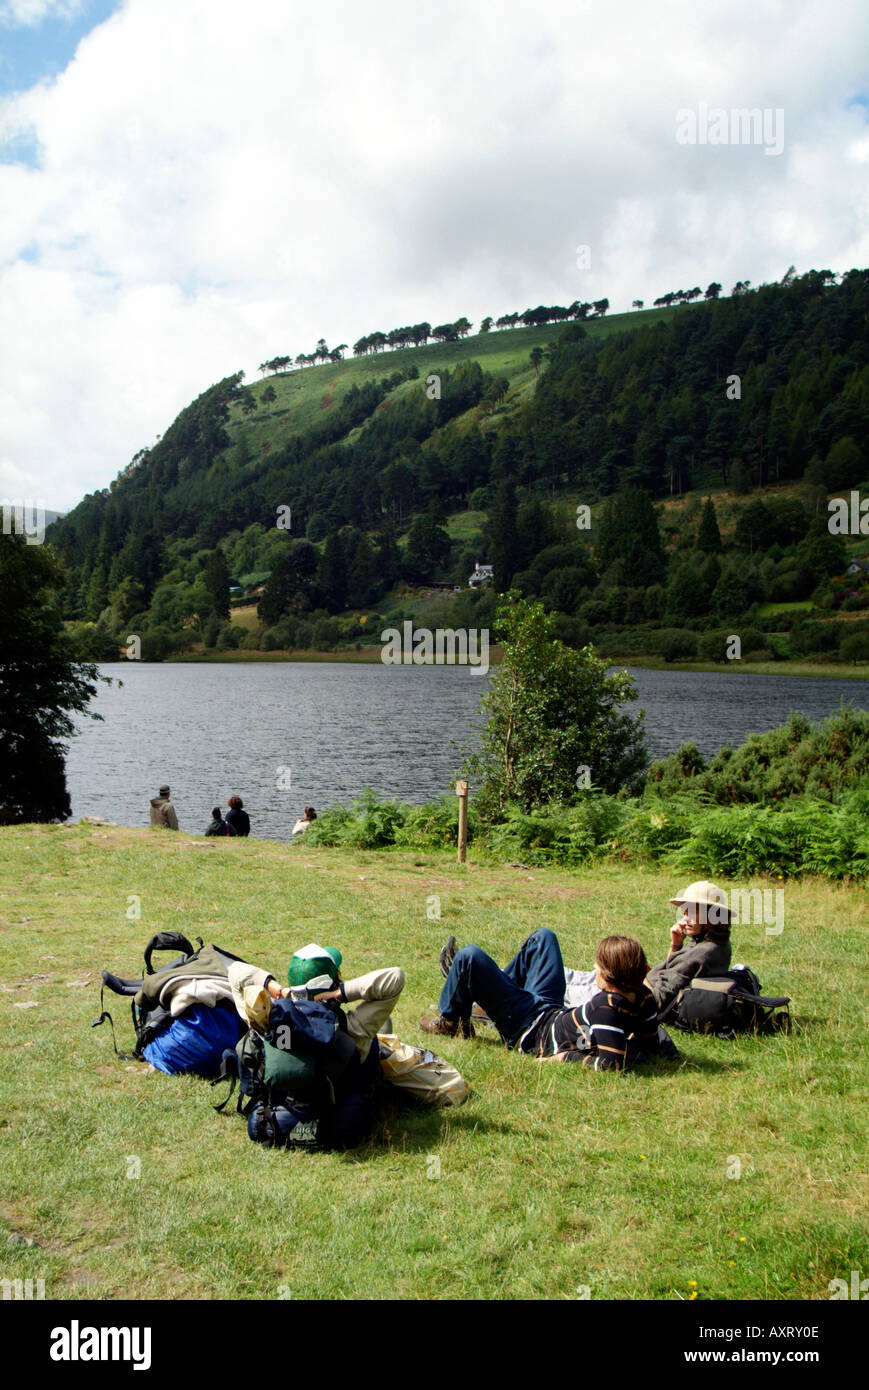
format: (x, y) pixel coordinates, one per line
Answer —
(448, 955)
(668, 1049)
(436, 1023)
(479, 1015)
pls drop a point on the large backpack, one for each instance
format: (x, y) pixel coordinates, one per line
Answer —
(729, 1004)
(149, 1017)
(291, 1078)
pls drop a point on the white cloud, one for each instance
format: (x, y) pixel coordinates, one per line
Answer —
(24, 13)
(214, 189)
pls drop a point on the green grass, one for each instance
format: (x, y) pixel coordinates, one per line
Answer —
(747, 667)
(552, 1177)
(769, 610)
(461, 526)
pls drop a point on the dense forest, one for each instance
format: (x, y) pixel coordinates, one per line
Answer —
(661, 489)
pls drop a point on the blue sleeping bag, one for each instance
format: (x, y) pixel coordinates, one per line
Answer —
(195, 1041)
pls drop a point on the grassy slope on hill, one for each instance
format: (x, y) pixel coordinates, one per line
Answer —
(551, 1178)
(304, 395)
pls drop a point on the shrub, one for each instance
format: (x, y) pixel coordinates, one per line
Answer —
(822, 760)
(558, 834)
(809, 838)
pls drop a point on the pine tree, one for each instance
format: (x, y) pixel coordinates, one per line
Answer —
(216, 577)
(709, 536)
(332, 574)
(504, 536)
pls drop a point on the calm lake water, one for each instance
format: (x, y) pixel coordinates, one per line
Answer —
(212, 730)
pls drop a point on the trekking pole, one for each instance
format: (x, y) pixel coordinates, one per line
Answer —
(462, 794)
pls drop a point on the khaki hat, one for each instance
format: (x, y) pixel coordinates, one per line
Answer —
(705, 894)
(257, 1007)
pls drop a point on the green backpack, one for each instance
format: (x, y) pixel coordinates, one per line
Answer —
(272, 1074)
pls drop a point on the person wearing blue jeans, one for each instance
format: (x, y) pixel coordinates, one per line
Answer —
(514, 998)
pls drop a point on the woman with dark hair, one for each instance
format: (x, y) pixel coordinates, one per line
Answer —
(236, 817)
(526, 1003)
(304, 820)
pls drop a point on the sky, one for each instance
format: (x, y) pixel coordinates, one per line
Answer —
(188, 187)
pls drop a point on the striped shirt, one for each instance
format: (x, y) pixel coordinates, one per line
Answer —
(597, 1033)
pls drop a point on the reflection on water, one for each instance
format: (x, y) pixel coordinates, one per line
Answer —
(211, 730)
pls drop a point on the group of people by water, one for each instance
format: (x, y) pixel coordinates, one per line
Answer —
(235, 822)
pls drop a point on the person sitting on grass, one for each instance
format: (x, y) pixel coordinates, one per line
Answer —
(237, 817)
(699, 942)
(304, 820)
(218, 825)
(344, 1117)
(526, 1003)
(162, 811)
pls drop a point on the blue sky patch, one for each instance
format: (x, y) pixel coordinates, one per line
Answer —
(31, 53)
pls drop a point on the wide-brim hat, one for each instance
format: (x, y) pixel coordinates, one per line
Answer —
(705, 894)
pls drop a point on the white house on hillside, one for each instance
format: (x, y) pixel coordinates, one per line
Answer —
(482, 577)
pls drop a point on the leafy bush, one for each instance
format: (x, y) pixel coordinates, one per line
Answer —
(808, 838)
(798, 758)
(435, 825)
(655, 828)
(370, 824)
(557, 834)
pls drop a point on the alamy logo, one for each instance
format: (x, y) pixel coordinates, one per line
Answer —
(742, 125)
(445, 647)
(75, 1343)
(752, 907)
(25, 519)
(837, 1288)
(848, 522)
(23, 1290)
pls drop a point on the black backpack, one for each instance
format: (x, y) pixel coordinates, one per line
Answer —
(729, 1004)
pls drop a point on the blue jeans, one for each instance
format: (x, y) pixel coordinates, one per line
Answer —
(513, 998)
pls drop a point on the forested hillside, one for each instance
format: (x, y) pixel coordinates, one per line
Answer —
(575, 459)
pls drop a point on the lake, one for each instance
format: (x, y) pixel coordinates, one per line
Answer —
(282, 734)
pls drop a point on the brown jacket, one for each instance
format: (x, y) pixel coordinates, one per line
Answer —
(163, 813)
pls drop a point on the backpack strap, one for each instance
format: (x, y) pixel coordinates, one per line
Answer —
(229, 1071)
(105, 1017)
(168, 941)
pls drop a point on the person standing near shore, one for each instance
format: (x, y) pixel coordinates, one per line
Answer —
(162, 811)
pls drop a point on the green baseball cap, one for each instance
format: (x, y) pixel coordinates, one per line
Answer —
(311, 961)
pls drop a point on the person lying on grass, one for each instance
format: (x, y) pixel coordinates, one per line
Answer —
(699, 946)
(317, 970)
(341, 1113)
(526, 1003)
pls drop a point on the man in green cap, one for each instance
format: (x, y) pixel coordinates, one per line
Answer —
(317, 969)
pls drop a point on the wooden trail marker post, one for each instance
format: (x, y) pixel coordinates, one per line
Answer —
(462, 794)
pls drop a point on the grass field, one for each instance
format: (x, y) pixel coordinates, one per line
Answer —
(553, 1180)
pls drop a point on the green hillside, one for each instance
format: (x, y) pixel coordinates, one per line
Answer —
(659, 479)
(303, 395)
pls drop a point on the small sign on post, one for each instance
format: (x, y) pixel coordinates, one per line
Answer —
(462, 794)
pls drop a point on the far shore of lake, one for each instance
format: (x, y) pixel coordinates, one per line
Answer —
(651, 663)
